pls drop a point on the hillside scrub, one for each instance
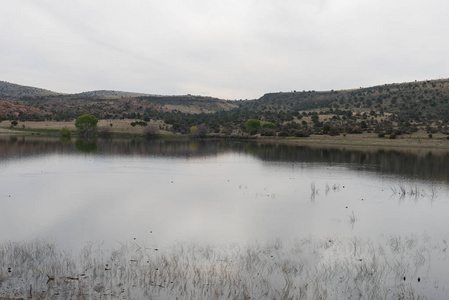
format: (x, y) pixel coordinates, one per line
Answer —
(393, 108)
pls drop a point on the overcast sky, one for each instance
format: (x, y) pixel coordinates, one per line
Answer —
(229, 49)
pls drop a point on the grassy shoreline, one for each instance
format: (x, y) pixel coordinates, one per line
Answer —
(369, 140)
(122, 129)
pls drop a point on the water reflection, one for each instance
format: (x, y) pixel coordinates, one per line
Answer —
(425, 164)
(86, 146)
(215, 193)
(65, 140)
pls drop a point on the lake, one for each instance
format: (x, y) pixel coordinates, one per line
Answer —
(221, 195)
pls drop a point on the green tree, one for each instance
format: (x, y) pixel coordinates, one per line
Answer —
(269, 125)
(86, 124)
(252, 126)
(194, 130)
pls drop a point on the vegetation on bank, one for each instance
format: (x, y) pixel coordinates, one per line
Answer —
(389, 111)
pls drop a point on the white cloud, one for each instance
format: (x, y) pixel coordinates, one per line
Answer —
(229, 49)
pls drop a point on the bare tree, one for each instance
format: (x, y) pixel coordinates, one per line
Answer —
(203, 130)
(151, 131)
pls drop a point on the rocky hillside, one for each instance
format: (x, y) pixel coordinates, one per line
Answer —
(423, 103)
(428, 99)
(17, 111)
(37, 104)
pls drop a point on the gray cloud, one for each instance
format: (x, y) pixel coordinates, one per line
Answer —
(229, 49)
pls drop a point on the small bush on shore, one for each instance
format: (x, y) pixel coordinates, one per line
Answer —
(267, 132)
(303, 133)
(65, 133)
(283, 133)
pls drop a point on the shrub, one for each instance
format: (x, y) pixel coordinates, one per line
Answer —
(354, 129)
(285, 133)
(334, 131)
(203, 130)
(252, 126)
(226, 130)
(392, 136)
(269, 125)
(140, 123)
(303, 133)
(65, 133)
(194, 130)
(399, 131)
(267, 132)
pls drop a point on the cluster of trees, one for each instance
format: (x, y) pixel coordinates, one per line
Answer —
(86, 125)
(279, 124)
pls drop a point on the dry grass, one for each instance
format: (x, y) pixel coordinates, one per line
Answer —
(419, 139)
(120, 126)
(416, 140)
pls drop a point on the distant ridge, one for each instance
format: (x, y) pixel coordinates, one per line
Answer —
(112, 94)
(11, 90)
(418, 101)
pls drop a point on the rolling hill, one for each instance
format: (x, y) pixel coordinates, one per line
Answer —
(11, 90)
(429, 99)
(405, 106)
(103, 103)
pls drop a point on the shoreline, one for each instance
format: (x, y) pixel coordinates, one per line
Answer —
(366, 140)
(418, 140)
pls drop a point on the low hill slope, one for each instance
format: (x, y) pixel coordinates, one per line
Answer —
(11, 90)
(25, 102)
(110, 94)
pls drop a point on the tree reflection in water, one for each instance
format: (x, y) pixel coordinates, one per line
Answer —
(424, 164)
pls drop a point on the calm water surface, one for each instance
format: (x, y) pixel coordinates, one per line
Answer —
(215, 192)
(249, 219)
